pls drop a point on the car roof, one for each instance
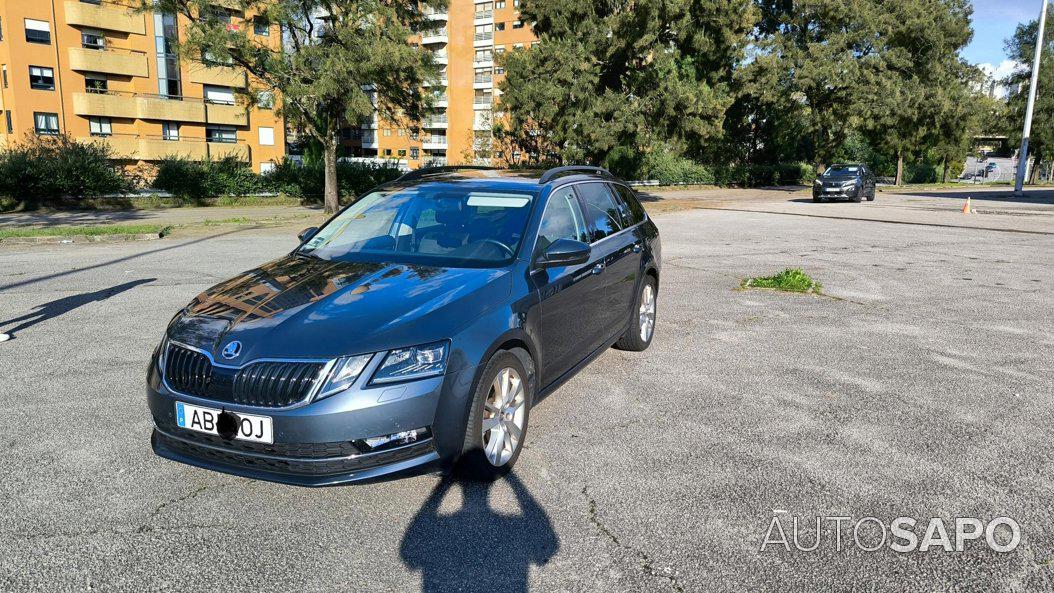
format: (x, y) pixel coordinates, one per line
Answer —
(523, 180)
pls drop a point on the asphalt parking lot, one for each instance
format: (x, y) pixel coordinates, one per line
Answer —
(922, 385)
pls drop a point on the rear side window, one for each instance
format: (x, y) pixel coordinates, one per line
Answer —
(602, 209)
(629, 198)
(562, 220)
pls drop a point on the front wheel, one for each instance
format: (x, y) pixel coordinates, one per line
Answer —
(497, 423)
(642, 322)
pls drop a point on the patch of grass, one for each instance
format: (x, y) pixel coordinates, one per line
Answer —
(789, 280)
(91, 231)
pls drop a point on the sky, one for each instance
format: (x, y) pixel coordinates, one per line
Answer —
(993, 22)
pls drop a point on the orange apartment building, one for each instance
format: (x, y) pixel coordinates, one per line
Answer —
(467, 39)
(97, 71)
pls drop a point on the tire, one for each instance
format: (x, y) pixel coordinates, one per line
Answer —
(632, 340)
(858, 196)
(478, 462)
(817, 199)
(871, 196)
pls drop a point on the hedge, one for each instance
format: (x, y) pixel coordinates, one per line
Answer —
(43, 169)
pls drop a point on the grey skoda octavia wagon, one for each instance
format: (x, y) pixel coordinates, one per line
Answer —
(410, 333)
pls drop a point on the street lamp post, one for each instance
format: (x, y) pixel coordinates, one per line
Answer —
(1022, 157)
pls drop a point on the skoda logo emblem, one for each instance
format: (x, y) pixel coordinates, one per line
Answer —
(232, 350)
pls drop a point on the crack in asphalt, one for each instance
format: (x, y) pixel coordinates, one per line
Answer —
(146, 527)
(110, 531)
(646, 562)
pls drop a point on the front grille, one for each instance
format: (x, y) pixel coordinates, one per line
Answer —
(261, 384)
(187, 371)
(310, 467)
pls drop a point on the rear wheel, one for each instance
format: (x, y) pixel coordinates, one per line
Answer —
(871, 196)
(497, 423)
(642, 324)
(817, 199)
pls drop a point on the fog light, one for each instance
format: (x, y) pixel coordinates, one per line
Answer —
(391, 441)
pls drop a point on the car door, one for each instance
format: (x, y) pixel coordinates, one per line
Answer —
(566, 318)
(616, 254)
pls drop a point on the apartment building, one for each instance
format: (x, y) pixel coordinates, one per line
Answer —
(97, 71)
(466, 39)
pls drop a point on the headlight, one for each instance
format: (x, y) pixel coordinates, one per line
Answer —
(427, 360)
(343, 374)
(817, 182)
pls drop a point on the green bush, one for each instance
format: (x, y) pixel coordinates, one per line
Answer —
(44, 169)
(199, 180)
(666, 167)
(921, 173)
(307, 181)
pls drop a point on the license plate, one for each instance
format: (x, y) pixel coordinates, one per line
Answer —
(249, 427)
(832, 190)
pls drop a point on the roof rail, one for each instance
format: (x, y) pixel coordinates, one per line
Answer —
(419, 173)
(553, 173)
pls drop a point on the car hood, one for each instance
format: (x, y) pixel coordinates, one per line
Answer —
(839, 178)
(298, 307)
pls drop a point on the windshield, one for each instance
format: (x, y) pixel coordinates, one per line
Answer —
(431, 224)
(841, 171)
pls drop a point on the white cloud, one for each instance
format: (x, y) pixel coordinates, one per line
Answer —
(996, 73)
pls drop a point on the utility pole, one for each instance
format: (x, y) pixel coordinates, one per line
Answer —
(1022, 156)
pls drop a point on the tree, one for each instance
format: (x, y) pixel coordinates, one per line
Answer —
(814, 59)
(610, 77)
(1021, 48)
(339, 60)
(920, 96)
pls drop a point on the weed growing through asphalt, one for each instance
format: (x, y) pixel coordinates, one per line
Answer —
(789, 280)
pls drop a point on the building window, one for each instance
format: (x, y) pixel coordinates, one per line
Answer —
(38, 31)
(517, 24)
(46, 124)
(402, 153)
(100, 126)
(1, 29)
(267, 167)
(41, 78)
(168, 79)
(415, 153)
(221, 134)
(170, 131)
(10, 124)
(265, 100)
(499, 26)
(499, 4)
(266, 136)
(91, 39)
(222, 95)
(4, 70)
(387, 152)
(387, 132)
(96, 84)
(262, 28)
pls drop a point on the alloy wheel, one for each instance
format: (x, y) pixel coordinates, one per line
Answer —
(503, 417)
(647, 312)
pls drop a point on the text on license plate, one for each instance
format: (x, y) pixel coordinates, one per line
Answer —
(245, 427)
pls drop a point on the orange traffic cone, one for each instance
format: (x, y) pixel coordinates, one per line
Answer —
(966, 206)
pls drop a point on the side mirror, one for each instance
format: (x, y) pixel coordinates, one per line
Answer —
(564, 252)
(307, 233)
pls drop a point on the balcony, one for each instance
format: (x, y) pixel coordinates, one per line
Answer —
(219, 150)
(227, 114)
(434, 36)
(435, 123)
(440, 57)
(483, 15)
(109, 61)
(435, 15)
(122, 146)
(112, 17)
(171, 109)
(216, 75)
(370, 141)
(155, 148)
(434, 143)
(483, 39)
(105, 105)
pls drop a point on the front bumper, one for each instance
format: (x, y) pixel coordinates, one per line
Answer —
(840, 192)
(314, 444)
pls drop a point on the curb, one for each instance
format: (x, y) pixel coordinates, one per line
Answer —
(67, 239)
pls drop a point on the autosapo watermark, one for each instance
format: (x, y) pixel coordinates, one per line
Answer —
(903, 534)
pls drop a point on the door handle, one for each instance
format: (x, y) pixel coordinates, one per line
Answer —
(598, 268)
(636, 248)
